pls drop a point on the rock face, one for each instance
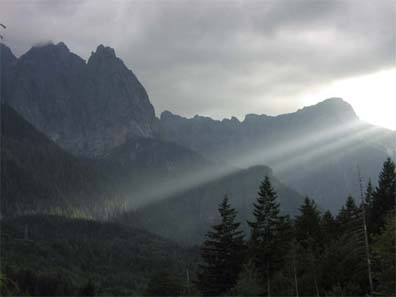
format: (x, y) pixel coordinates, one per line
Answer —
(87, 108)
(219, 139)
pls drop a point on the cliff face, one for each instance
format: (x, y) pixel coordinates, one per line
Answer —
(87, 108)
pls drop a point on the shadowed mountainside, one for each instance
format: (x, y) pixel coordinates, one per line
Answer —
(188, 215)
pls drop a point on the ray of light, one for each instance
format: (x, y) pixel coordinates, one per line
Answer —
(282, 156)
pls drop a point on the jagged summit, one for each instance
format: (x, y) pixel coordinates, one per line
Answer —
(7, 57)
(87, 108)
(331, 106)
(335, 107)
(105, 51)
(334, 102)
(103, 54)
(50, 47)
(166, 114)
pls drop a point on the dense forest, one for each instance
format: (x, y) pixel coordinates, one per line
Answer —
(310, 254)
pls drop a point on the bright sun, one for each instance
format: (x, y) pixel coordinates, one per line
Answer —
(372, 96)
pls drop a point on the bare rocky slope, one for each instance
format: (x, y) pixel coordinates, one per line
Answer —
(88, 108)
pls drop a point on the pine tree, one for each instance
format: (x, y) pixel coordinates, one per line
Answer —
(269, 242)
(308, 224)
(223, 253)
(329, 227)
(309, 236)
(348, 217)
(384, 257)
(351, 248)
(368, 204)
(384, 196)
(368, 199)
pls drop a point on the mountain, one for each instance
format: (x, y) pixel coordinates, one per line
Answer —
(87, 108)
(7, 63)
(98, 109)
(187, 216)
(148, 169)
(38, 175)
(61, 255)
(315, 150)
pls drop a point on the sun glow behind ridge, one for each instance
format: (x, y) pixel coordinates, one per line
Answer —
(372, 96)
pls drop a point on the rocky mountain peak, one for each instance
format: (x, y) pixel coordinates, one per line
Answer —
(50, 50)
(104, 55)
(106, 51)
(7, 57)
(167, 115)
(87, 108)
(331, 107)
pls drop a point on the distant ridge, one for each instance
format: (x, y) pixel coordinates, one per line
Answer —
(324, 140)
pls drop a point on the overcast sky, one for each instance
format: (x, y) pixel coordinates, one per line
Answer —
(220, 58)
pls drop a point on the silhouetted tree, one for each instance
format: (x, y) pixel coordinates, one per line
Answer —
(384, 196)
(309, 237)
(384, 258)
(223, 253)
(328, 227)
(351, 248)
(269, 240)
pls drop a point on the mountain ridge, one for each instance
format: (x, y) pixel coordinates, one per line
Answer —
(326, 137)
(337, 104)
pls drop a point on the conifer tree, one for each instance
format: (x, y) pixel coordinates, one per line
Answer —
(352, 252)
(348, 217)
(269, 241)
(368, 199)
(308, 224)
(328, 226)
(222, 253)
(309, 236)
(384, 257)
(384, 196)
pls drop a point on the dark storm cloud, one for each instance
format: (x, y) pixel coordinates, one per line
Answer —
(219, 58)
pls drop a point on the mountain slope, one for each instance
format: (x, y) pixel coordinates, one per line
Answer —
(37, 175)
(119, 260)
(87, 108)
(147, 169)
(186, 216)
(326, 140)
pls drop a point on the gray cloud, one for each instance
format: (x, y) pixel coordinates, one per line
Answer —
(219, 58)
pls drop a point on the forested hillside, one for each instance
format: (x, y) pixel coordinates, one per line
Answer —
(45, 255)
(187, 215)
(39, 176)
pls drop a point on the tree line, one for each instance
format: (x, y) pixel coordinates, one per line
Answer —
(312, 254)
